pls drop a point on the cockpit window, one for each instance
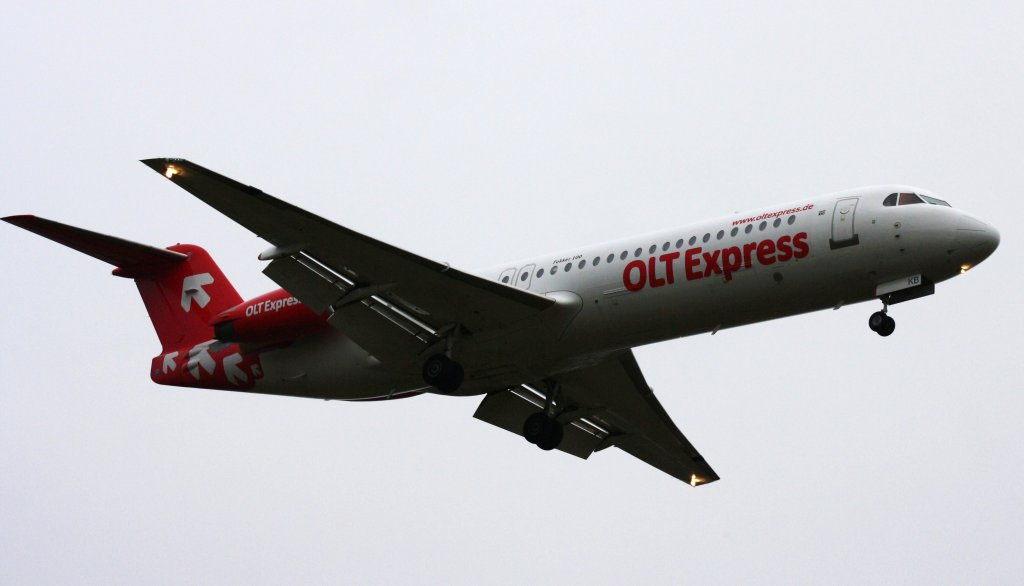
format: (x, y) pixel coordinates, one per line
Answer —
(909, 198)
(935, 201)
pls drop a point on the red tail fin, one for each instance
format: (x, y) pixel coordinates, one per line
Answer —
(182, 287)
(182, 299)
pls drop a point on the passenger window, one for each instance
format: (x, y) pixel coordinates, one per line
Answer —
(582, 264)
(652, 249)
(679, 243)
(540, 273)
(524, 276)
(597, 260)
(890, 200)
(638, 252)
(791, 220)
(504, 279)
(554, 269)
(720, 234)
(777, 222)
(693, 240)
(734, 232)
(610, 258)
(748, 228)
(762, 226)
(568, 267)
(909, 198)
(623, 255)
(707, 237)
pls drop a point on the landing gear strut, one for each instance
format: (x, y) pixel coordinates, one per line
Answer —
(881, 323)
(443, 372)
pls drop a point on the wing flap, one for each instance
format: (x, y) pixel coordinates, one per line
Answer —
(509, 410)
(315, 290)
(390, 343)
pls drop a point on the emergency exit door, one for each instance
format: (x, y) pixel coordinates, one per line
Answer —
(525, 277)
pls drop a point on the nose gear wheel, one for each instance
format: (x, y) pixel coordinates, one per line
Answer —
(881, 323)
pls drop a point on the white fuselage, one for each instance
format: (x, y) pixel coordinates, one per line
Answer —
(812, 254)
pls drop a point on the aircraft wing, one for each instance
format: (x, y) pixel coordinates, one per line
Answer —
(606, 405)
(327, 266)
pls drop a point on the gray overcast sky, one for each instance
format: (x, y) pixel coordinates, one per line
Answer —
(476, 133)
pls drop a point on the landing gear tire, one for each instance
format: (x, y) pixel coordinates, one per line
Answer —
(534, 427)
(876, 320)
(543, 431)
(443, 373)
(887, 328)
(881, 324)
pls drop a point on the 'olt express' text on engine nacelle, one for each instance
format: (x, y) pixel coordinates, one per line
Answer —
(698, 264)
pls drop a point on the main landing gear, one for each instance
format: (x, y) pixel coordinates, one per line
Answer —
(544, 432)
(542, 429)
(443, 373)
(881, 323)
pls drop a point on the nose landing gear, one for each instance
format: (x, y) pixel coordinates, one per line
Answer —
(881, 323)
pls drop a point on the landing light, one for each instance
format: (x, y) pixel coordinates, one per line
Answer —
(964, 268)
(171, 171)
(695, 480)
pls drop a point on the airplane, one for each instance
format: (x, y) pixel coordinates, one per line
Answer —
(546, 341)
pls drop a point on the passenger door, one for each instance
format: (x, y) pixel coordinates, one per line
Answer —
(843, 228)
(506, 276)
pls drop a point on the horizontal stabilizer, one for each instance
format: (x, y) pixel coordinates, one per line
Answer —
(131, 258)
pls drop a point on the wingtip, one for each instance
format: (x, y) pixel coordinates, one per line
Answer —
(18, 219)
(166, 166)
(158, 162)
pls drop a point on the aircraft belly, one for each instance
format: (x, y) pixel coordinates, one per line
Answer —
(330, 366)
(623, 319)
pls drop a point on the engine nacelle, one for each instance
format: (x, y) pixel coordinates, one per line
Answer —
(275, 317)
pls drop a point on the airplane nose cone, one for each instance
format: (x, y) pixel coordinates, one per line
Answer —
(975, 240)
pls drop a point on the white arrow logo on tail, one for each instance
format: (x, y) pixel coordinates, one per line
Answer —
(169, 364)
(236, 375)
(199, 356)
(192, 288)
